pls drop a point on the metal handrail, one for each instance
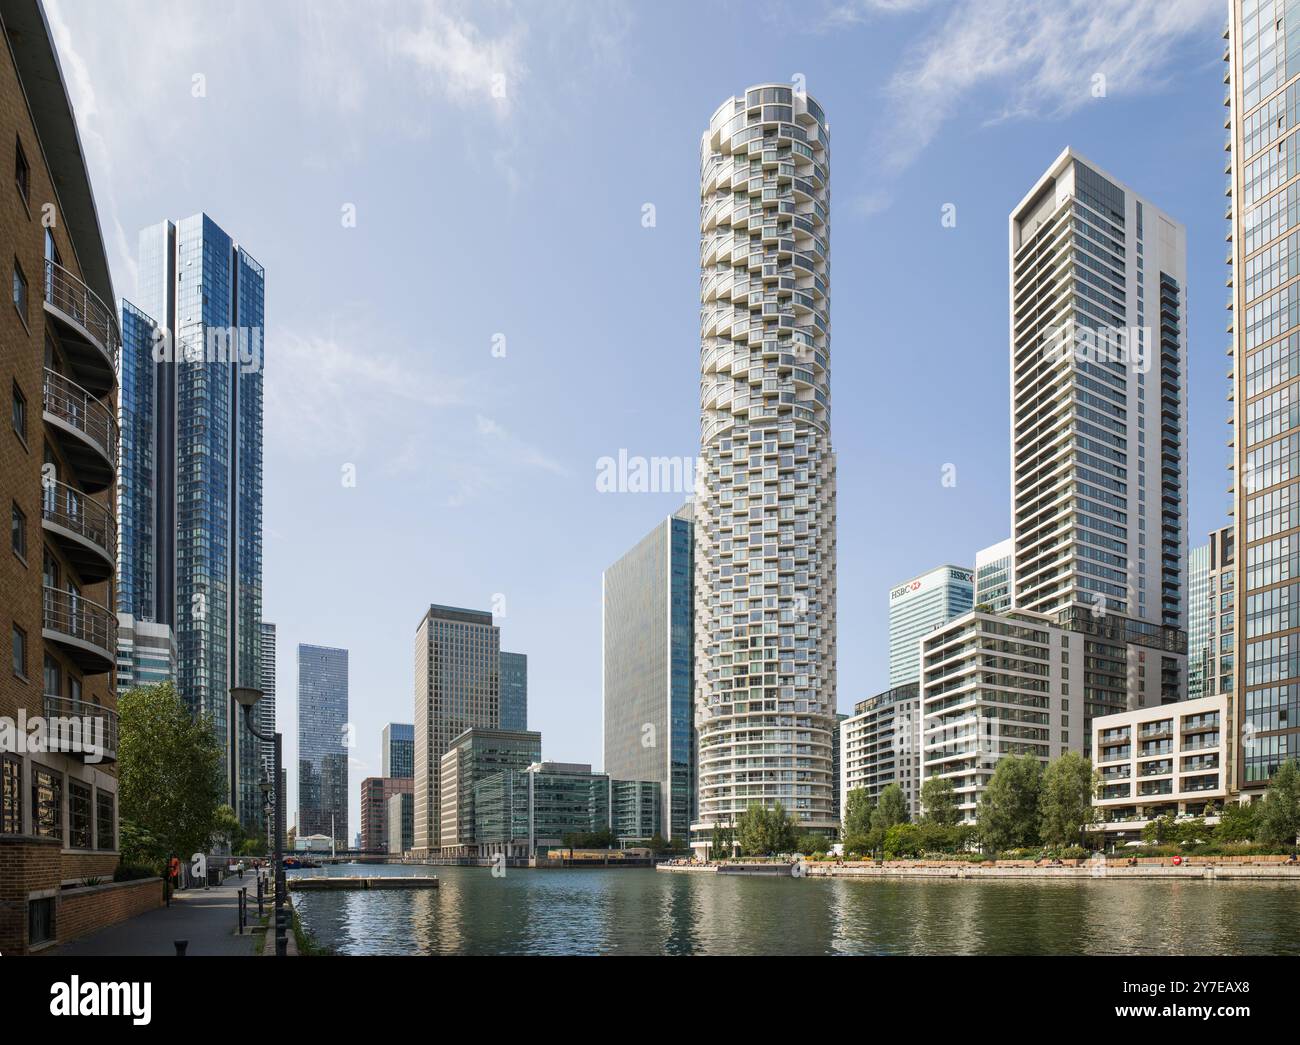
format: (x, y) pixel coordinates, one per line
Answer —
(67, 707)
(72, 297)
(77, 616)
(68, 507)
(67, 400)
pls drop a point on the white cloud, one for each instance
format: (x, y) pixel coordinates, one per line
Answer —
(1043, 57)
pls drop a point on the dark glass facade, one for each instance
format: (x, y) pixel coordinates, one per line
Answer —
(397, 754)
(322, 743)
(648, 663)
(514, 691)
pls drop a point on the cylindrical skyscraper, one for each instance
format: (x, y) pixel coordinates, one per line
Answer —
(765, 512)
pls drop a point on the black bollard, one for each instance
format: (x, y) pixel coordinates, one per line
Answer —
(180, 946)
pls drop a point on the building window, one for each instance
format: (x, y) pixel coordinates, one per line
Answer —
(78, 815)
(20, 652)
(20, 413)
(40, 921)
(105, 835)
(20, 290)
(19, 533)
(11, 808)
(22, 172)
(47, 803)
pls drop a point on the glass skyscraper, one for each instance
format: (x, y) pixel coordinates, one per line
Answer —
(1198, 618)
(648, 715)
(514, 691)
(397, 750)
(191, 507)
(322, 742)
(1263, 108)
(917, 607)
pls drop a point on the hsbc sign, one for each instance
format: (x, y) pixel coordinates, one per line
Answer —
(933, 579)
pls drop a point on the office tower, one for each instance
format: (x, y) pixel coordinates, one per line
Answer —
(1263, 57)
(1098, 408)
(880, 744)
(514, 691)
(400, 821)
(265, 709)
(323, 739)
(635, 811)
(457, 687)
(397, 750)
(192, 512)
(1210, 634)
(765, 516)
(919, 605)
(146, 653)
(1170, 760)
(60, 344)
(376, 796)
(1098, 398)
(649, 718)
(475, 754)
(995, 576)
(524, 813)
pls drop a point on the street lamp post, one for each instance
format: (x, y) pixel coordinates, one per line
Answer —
(247, 698)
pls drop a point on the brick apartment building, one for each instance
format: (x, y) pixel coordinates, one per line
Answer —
(59, 342)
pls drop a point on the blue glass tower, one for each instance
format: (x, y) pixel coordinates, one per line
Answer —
(322, 742)
(514, 691)
(192, 505)
(648, 668)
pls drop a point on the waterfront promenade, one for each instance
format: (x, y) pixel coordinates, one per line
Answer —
(1191, 869)
(206, 918)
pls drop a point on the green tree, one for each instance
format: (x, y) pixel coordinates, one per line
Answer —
(1008, 811)
(722, 838)
(1237, 823)
(857, 821)
(764, 831)
(169, 775)
(891, 809)
(1065, 799)
(903, 841)
(1163, 830)
(810, 843)
(1279, 810)
(939, 802)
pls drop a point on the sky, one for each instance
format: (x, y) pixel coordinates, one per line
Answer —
(480, 229)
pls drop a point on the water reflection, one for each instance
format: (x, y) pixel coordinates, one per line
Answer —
(643, 912)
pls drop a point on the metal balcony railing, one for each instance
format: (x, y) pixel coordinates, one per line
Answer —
(69, 508)
(74, 299)
(76, 617)
(66, 707)
(77, 408)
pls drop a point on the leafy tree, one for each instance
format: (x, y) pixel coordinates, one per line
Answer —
(1162, 830)
(810, 843)
(602, 839)
(939, 802)
(857, 821)
(722, 839)
(169, 776)
(903, 840)
(1065, 799)
(1237, 823)
(1008, 811)
(891, 809)
(1279, 810)
(764, 831)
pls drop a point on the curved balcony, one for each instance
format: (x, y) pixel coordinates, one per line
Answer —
(81, 710)
(84, 529)
(86, 430)
(88, 329)
(84, 630)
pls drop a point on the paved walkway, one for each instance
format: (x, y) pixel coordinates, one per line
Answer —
(206, 918)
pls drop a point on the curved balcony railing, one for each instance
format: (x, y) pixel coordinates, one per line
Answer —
(69, 295)
(86, 630)
(66, 708)
(70, 406)
(87, 529)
